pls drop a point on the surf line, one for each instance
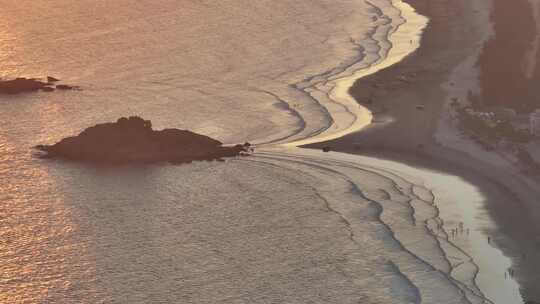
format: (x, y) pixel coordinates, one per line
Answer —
(404, 40)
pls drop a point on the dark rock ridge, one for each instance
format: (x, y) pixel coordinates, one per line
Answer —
(26, 85)
(132, 140)
(22, 85)
(51, 79)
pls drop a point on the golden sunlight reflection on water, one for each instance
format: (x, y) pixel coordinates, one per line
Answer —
(42, 254)
(8, 44)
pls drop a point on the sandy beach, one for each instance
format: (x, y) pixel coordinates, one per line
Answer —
(408, 101)
(286, 224)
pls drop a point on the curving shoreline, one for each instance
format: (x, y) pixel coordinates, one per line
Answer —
(403, 133)
(431, 231)
(362, 118)
(418, 244)
(346, 115)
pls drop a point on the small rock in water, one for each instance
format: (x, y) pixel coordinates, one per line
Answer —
(52, 79)
(26, 85)
(64, 87)
(21, 85)
(47, 89)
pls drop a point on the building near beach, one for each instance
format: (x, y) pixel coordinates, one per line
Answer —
(534, 121)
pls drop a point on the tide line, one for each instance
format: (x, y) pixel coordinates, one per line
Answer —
(405, 39)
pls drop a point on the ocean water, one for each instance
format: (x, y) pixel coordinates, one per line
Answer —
(286, 225)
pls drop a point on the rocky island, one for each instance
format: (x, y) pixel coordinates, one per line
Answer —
(26, 85)
(132, 140)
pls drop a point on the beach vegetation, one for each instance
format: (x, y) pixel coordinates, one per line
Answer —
(490, 127)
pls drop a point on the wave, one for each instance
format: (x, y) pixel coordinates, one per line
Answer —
(386, 206)
(396, 33)
(398, 212)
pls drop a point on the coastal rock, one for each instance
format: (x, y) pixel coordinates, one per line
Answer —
(132, 140)
(21, 85)
(51, 79)
(47, 89)
(65, 87)
(27, 85)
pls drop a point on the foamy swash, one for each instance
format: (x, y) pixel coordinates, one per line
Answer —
(393, 220)
(396, 32)
(377, 199)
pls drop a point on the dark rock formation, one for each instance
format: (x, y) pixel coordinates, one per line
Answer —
(25, 85)
(22, 85)
(47, 89)
(132, 140)
(51, 79)
(65, 87)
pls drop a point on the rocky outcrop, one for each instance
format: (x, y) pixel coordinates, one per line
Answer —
(132, 140)
(22, 85)
(51, 79)
(26, 85)
(65, 87)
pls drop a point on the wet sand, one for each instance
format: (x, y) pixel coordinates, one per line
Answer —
(407, 101)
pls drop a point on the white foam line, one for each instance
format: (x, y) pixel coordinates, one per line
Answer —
(405, 40)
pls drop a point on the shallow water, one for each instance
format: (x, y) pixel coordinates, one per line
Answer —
(286, 225)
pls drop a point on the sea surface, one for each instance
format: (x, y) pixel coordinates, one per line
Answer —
(287, 225)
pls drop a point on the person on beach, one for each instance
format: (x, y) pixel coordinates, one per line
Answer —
(511, 272)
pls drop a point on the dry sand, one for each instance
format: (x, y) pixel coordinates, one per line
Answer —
(401, 131)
